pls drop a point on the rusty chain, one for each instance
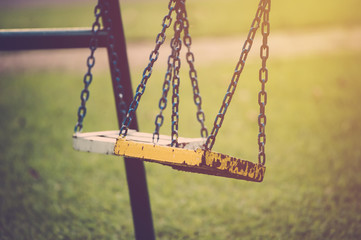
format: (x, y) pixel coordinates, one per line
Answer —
(167, 20)
(114, 58)
(193, 75)
(172, 75)
(176, 45)
(262, 11)
(263, 78)
(88, 77)
(166, 86)
(101, 10)
(163, 101)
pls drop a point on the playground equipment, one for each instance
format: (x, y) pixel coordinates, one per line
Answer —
(192, 155)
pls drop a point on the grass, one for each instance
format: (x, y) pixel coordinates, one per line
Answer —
(310, 191)
(311, 187)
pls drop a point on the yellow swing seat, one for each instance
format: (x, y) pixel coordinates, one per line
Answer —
(189, 156)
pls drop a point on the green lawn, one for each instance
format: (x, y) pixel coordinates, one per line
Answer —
(312, 184)
(311, 188)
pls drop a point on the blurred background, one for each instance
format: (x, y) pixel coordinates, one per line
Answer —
(312, 185)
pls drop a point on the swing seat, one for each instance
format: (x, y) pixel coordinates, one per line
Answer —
(189, 156)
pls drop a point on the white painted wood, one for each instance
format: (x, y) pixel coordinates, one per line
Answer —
(103, 142)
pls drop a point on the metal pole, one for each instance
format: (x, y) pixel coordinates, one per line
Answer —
(135, 171)
(29, 39)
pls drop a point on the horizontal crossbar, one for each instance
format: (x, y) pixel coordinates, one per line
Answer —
(44, 38)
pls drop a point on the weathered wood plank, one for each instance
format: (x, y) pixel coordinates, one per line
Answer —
(104, 142)
(190, 157)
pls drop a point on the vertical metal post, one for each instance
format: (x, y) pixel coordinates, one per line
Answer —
(135, 171)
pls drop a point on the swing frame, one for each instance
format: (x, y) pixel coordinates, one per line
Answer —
(74, 38)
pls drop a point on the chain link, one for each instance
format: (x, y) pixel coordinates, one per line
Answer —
(176, 45)
(167, 20)
(99, 11)
(166, 86)
(88, 77)
(115, 62)
(193, 75)
(182, 16)
(263, 8)
(163, 101)
(263, 78)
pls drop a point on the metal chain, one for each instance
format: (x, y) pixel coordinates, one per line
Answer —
(122, 106)
(263, 78)
(88, 77)
(115, 62)
(99, 11)
(167, 20)
(163, 101)
(166, 86)
(239, 68)
(176, 45)
(193, 74)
